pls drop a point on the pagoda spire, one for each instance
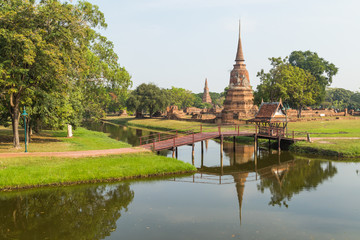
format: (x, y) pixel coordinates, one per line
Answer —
(239, 55)
(206, 95)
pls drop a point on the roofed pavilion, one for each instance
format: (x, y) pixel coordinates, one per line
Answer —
(271, 119)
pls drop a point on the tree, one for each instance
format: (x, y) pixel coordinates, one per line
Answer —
(49, 49)
(180, 97)
(148, 98)
(355, 100)
(321, 69)
(294, 85)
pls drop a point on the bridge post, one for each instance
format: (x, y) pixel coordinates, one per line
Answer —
(200, 127)
(255, 143)
(192, 154)
(140, 141)
(238, 127)
(219, 128)
(174, 142)
(221, 145)
(176, 152)
(202, 159)
(202, 147)
(193, 137)
(279, 144)
(255, 161)
(173, 152)
(234, 142)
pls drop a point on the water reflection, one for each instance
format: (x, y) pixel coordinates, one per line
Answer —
(282, 174)
(289, 179)
(119, 132)
(81, 212)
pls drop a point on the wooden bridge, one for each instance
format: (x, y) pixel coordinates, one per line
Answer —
(172, 139)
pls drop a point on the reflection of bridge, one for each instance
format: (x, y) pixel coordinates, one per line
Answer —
(173, 139)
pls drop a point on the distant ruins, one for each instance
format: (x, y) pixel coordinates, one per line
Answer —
(206, 95)
(239, 101)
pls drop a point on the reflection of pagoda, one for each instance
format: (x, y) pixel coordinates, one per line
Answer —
(242, 153)
(239, 103)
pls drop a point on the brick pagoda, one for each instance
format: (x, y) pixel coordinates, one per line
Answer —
(206, 96)
(239, 101)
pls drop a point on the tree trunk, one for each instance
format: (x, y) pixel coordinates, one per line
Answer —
(15, 116)
(299, 112)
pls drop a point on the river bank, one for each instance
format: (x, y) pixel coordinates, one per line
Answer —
(59, 167)
(331, 137)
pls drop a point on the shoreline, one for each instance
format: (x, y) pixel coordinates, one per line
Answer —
(108, 180)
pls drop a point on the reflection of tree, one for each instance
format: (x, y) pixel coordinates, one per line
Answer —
(79, 212)
(283, 182)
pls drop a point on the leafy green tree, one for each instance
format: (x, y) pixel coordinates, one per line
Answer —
(295, 86)
(148, 98)
(47, 50)
(355, 100)
(180, 97)
(321, 69)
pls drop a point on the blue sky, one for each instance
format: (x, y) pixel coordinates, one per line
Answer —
(181, 42)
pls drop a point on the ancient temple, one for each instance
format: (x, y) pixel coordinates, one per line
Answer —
(239, 101)
(206, 96)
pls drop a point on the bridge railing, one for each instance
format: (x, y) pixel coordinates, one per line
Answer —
(173, 134)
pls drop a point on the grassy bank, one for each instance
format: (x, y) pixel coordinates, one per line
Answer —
(56, 141)
(328, 128)
(344, 148)
(45, 171)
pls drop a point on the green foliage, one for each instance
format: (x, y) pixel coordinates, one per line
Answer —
(294, 85)
(321, 69)
(340, 98)
(148, 98)
(54, 62)
(180, 97)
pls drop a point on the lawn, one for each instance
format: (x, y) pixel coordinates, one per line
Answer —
(328, 128)
(168, 125)
(330, 147)
(44, 171)
(56, 141)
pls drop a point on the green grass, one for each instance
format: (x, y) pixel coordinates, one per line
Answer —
(43, 171)
(329, 147)
(56, 141)
(331, 128)
(161, 124)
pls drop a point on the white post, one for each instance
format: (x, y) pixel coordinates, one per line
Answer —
(69, 131)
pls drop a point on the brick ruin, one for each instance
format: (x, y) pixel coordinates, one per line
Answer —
(239, 101)
(206, 95)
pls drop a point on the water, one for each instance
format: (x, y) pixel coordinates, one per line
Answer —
(270, 197)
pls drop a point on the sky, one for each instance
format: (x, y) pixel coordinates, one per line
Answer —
(181, 42)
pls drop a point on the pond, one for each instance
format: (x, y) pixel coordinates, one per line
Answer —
(269, 196)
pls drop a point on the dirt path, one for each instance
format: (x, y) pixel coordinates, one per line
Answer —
(76, 154)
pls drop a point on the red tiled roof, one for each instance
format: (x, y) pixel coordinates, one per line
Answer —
(267, 110)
